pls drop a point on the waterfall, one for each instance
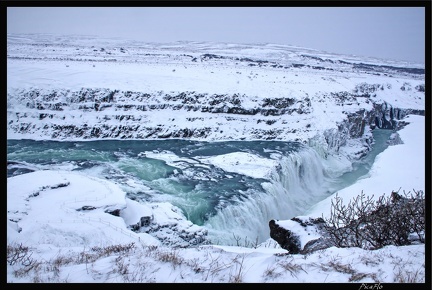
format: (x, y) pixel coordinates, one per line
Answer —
(297, 182)
(231, 205)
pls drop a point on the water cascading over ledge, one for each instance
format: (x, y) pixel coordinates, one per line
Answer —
(298, 181)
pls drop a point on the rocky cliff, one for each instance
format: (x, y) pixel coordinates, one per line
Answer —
(64, 90)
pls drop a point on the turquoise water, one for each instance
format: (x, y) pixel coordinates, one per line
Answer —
(228, 204)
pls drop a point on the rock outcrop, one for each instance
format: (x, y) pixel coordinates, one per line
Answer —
(300, 235)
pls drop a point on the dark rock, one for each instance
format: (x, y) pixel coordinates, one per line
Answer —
(290, 238)
(145, 221)
(86, 207)
(60, 185)
(285, 238)
(115, 212)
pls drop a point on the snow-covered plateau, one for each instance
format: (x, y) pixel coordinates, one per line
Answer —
(275, 130)
(75, 88)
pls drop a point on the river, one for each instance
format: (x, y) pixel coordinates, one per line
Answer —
(232, 204)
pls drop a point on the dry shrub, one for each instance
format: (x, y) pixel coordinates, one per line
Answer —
(369, 224)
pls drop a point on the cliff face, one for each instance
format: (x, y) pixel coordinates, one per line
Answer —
(103, 113)
(65, 91)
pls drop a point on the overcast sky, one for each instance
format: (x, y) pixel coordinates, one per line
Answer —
(389, 32)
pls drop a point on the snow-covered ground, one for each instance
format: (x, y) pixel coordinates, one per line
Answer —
(76, 226)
